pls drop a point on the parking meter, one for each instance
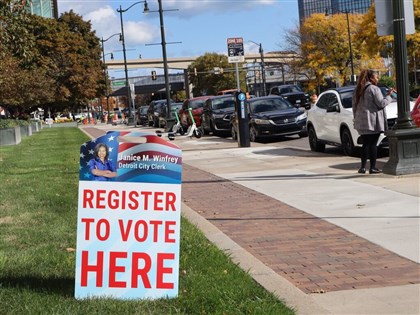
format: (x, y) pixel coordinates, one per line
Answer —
(242, 119)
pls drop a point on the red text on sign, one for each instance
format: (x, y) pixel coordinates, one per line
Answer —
(128, 200)
(141, 266)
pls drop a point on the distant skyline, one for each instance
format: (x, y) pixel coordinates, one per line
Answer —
(200, 25)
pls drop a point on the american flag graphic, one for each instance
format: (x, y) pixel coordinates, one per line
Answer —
(151, 160)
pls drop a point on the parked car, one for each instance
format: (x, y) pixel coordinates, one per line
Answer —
(293, 94)
(141, 116)
(415, 113)
(272, 116)
(155, 110)
(196, 104)
(217, 112)
(330, 121)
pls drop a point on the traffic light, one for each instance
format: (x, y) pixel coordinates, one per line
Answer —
(195, 72)
(153, 75)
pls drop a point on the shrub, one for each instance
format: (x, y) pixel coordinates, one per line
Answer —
(10, 123)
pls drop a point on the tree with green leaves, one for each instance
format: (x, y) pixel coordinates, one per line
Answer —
(54, 64)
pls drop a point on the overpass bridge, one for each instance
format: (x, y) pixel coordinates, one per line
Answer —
(182, 63)
(142, 85)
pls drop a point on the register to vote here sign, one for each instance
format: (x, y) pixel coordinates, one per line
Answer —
(128, 225)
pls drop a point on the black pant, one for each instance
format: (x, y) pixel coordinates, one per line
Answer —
(369, 149)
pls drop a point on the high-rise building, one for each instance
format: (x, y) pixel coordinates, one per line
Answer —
(308, 7)
(45, 8)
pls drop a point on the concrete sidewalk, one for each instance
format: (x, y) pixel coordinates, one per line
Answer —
(323, 238)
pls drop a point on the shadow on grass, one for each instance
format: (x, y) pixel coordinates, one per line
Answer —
(59, 286)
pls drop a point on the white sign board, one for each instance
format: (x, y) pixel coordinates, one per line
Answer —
(128, 225)
(235, 48)
(384, 17)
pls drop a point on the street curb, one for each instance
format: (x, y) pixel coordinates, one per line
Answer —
(266, 277)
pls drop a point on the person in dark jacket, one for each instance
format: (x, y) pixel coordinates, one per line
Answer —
(369, 116)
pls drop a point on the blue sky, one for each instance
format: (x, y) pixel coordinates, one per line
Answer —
(200, 25)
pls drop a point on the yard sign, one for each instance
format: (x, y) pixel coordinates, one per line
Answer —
(128, 228)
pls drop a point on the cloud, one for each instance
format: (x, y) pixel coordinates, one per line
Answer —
(191, 8)
(106, 22)
(140, 33)
(100, 14)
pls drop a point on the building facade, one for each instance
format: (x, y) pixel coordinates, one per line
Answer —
(45, 8)
(308, 7)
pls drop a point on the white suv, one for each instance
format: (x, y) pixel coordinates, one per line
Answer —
(330, 121)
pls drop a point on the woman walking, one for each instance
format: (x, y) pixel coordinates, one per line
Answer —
(370, 116)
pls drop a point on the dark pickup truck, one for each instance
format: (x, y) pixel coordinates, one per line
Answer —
(293, 94)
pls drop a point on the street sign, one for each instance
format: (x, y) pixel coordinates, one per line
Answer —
(384, 17)
(235, 48)
(118, 83)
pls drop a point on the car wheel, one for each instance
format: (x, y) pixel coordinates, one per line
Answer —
(233, 133)
(253, 134)
(347, 143)
(203, 128)
(156, 123)
(313, 141)
(213, 129)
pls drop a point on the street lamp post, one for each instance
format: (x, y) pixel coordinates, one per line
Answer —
(261, 51)
(404, 137)
(353, 77)
(164, 56)
(105, 70)
(127, 85)
(165, 60)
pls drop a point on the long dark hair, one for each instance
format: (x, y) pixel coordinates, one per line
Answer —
(365, 76)
(96, 150)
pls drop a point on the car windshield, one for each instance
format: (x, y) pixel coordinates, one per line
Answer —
(223, 103)
(346, 98)
(196, 104)
(143, 110)
(269, 105)
(290, 89)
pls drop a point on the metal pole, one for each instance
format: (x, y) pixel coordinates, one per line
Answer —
(352, 79)
(238, 84)
(263, 70)
(127, 85)
(165, 61)
(105, 70)
(255, 80)
(401, 66)
(106, 77)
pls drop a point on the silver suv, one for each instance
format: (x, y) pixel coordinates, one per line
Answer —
(330, 121)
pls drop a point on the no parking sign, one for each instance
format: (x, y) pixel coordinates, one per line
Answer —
(128, 225)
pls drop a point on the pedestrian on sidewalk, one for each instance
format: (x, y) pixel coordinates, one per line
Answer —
(369, 116)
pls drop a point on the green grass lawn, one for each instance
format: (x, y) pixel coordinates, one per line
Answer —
(38, 214)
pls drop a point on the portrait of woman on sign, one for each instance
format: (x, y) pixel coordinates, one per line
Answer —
(100, 166)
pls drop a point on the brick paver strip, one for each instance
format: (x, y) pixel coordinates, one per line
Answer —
(313, 254)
